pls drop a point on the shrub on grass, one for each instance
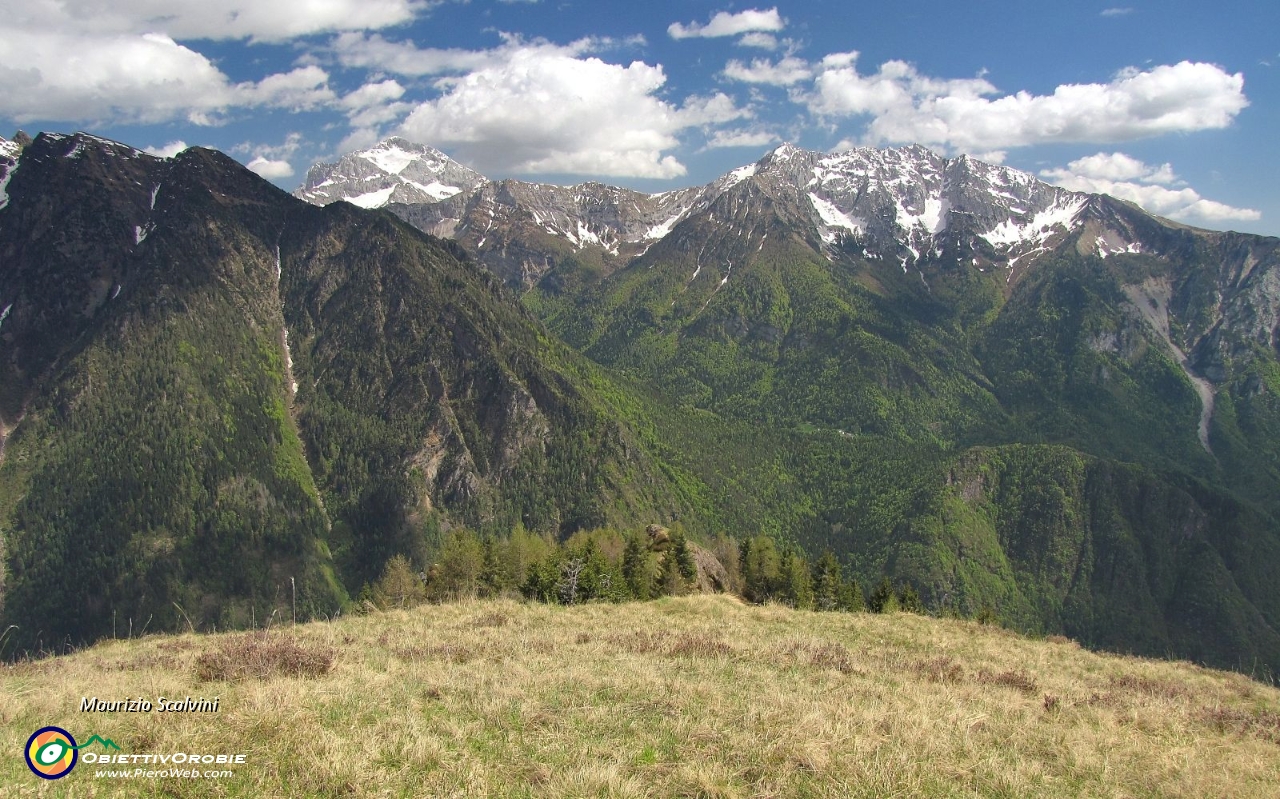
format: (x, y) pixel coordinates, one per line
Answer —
(262, 656)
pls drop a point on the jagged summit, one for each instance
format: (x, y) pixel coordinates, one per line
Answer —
(393, 171)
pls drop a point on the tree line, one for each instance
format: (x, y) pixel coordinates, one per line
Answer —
(606, 565)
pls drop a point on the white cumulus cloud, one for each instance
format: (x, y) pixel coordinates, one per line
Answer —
(906, 106)
(269, 169)
(301, 89)
(1119, 167)
(740, 138)
(375, 103)
(373, 51)
(764, 41)
(278, 20)
(544, 108)
(167, 151)
(134, 78)
(373, 94)
(785, 72)
(725, 24)
(1128, 178)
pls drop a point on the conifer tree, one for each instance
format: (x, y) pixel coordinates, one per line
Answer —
(399, 586)
(909, 599)
(797, 586)
(683, 556)
(851, 598)
(670, 582)
(542, 577)
(883, 599)
(828, 582)
(760, 569)
(493, 577)
(636, 569)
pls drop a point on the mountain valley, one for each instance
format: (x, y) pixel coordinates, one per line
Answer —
(1010, 396)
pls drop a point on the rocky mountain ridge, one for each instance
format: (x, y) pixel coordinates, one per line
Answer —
(897, 204)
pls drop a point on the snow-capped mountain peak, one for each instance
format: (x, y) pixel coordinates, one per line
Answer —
(394, 170)
(901, 203)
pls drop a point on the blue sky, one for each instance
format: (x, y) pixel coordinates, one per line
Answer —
(1174, 105)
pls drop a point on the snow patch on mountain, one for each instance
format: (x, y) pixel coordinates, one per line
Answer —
(6, 173)
(390, 158)
(738, 175)
(395, 170)
(661, 230)
(1040, 227)
(435, 189)
(833, 217)
(288, 362)
(932, 218)
(373, 199)
(1107, 247)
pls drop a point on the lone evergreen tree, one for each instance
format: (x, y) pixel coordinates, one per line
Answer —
(828, 582)
(797, 587)
(683, 555)
(760, 569)
(883, 599)
(909, 599)
(635, 568)
(399, 586)
(851, 598)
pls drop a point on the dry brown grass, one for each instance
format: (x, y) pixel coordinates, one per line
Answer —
(1017, 679)
(262, 656)
(698, 696)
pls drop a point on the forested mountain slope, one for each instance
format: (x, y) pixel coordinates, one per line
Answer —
(215, 396)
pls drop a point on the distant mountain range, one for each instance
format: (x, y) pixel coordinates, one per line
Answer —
(1051, 405)
(905, 205)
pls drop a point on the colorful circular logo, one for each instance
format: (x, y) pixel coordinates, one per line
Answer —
(51, 753)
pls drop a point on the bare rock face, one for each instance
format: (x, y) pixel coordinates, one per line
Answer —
(659, 537)
(712, 577)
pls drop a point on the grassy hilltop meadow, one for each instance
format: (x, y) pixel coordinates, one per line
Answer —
(693, 696)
